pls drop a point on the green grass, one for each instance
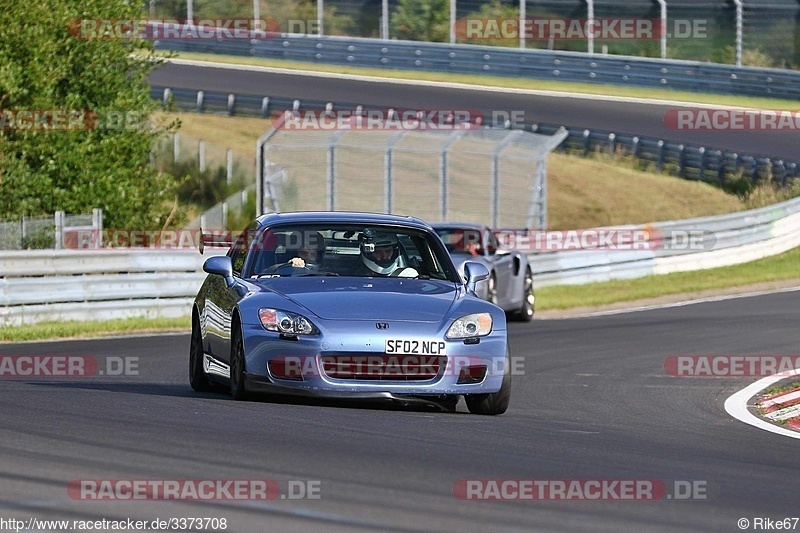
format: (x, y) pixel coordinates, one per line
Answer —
(771, 391)
(778, 268)
(66, 330)
(512, 83)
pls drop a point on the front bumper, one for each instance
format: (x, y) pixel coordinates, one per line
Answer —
(360, 340)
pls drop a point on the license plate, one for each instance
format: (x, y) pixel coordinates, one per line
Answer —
(415, 347)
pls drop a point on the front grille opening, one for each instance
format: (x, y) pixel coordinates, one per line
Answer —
(383, 367)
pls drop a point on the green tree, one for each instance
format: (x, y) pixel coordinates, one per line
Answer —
(46, 65)
(494, 10)
(422, 20)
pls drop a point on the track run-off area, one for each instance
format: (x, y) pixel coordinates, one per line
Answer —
(592, 401)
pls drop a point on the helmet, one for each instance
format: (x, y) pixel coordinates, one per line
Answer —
(380, 251)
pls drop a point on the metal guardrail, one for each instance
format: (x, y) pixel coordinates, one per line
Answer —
(50, 285)
(509, 62)
(738, 238)
(44, 285)
(690, 161)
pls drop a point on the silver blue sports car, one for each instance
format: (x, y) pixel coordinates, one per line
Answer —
(348, 305)
(510, 283)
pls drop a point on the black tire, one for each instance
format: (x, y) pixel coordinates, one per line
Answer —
(525, 312)
(197, 374)
(238, 369)
(495, 403)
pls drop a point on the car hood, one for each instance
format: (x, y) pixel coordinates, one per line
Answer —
(348, 298)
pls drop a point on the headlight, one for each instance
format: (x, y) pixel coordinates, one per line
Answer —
(283, 322)
(477, 325)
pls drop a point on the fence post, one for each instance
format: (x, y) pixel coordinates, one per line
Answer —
(612, 142)
(199, 101)
(660, 163)
(59, 223)
(663, 5)
(682, 161)
(176, 147)
(521, 21)
(635, 146)
(388, 172)
(201, 155)
(231, 104)
(229, 166)
(453, 22)
(739, 28)
(586, 134)
(589, 24)
(97, 225)
(224, 215)
(444, 175)
(265, 107)
(22, 233)
(702, 151)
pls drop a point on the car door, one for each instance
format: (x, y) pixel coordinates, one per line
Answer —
(223, 299)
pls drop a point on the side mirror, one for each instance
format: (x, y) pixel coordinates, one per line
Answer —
(220, 265)
(475, 272)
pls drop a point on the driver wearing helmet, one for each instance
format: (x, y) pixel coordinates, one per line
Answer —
(381, 254)
(308, 249)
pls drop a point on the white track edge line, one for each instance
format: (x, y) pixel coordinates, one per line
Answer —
(736, 405)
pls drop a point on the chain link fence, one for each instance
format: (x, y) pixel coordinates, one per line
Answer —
(491, 176)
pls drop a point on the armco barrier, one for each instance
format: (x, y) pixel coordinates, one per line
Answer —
(510, 62)
(57, 285)
(45, 285)
(688, 161)
(739, 238)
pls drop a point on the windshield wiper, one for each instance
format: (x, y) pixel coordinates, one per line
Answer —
(317, 274)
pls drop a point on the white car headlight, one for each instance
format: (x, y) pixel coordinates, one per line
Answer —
(477, 325)
(283, 322)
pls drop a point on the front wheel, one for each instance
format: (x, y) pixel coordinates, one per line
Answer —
(495, 403)
(525, 312)
(197, 375)
(237, 365)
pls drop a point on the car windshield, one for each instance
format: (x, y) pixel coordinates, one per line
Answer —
(461, 240)
(348, 250)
